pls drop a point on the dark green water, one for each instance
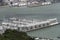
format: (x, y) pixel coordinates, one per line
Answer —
(41, 13)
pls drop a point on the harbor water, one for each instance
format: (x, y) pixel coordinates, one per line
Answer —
(37, 13)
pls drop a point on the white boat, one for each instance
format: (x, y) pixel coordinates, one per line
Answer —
(27, 25)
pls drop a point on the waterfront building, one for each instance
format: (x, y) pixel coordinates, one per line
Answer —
(14, 1)
(22, 2)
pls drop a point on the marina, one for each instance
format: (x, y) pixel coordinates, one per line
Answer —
(41, 13)
(27, 25)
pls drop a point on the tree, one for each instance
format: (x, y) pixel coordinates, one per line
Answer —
(15, 35)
